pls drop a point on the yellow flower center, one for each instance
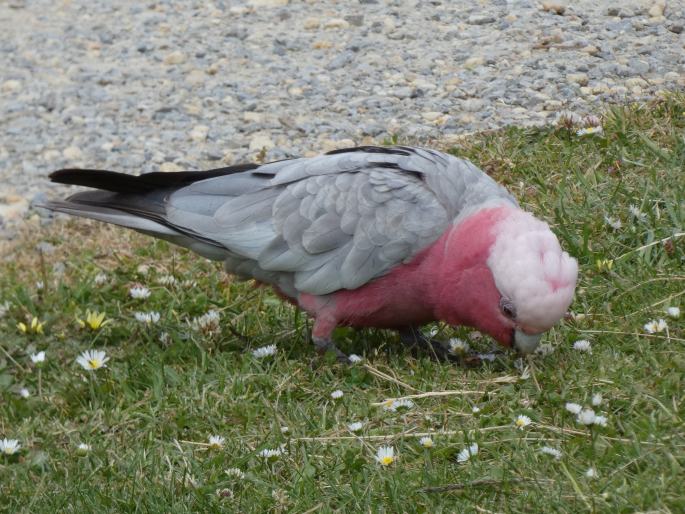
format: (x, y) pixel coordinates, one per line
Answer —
(94, 363)
(386, 461)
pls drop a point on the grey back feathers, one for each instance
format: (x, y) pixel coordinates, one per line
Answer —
(321, 224)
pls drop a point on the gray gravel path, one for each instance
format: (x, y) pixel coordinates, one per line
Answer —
(140, 86)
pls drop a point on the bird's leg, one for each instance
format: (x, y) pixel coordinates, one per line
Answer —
(413, 338)
(322, 337)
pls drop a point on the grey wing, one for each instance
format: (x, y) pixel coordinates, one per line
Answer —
(331, 222)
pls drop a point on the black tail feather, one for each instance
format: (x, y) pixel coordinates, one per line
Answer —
(139, 184)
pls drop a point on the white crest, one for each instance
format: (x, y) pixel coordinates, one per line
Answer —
(531, 270)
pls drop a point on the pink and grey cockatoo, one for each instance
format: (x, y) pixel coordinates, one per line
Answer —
(386, 237)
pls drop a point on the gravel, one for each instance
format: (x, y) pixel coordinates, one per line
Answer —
(161, 85)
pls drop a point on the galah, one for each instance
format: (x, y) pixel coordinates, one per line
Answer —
(386, 237)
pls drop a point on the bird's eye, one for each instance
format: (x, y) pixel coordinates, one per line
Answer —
(507, 308)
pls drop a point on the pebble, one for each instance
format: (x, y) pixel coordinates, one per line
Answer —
(178, 86)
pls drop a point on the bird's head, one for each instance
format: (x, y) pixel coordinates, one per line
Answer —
(505, 274)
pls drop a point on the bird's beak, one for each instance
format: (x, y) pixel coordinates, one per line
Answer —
(526, 343)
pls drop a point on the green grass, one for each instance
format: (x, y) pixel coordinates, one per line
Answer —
(145, 414)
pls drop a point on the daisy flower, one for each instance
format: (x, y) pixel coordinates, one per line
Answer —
(597, 399)
(398, 405)
(587, 131)
(426, 442)
(548, 450)
(264, 351)
(337, 394)
(216, 442)
(673, 312)
(458, 346)
(38, 358)
(149, 318)
(467, 453)
(24, 393)
(270, 454)
(235, 473)
(354, 358)
(655, 326)
(139, 292)
(637, 213)
(166, 280)
(92, 360)
(573, 408)
(591, 473)
(142, 269)
(583, 345)
(9, 446)
(208, 323)
(586, 417)
(355, 427)
(521, 421)
(614, 223)
(385, 455)
(100, 279)
(475, 409)
(83, 448)
(285, 430)
(601, 421)
(40, 285)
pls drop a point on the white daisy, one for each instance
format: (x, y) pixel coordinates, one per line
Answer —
(264, 351)
(235, 473)
(149, 318)
(100, 279)
(589, 131)
(591, 473)
(673, 312)
(208, 323)
(139, 292)
(521, 421)
(40, 285)
(285, 430)
(597, 399)
(614, 223)
(398, 405)
(270, 454)
(426, 442)
(337, 394)
(355, 427)
(9, 446)
(548, 450)
(354, 358)
(655, 326)
(583, 345)
(142, 269)
(601, 421)
(586, 417)
(475, 409)
(467, 453)
(83, 448)
(38, 358)
(458, 346)
(385, 455)
(24, 393)
(92, 360)
(637, 213)
(544, 349)
(216, 442)
(573, 408)
(166, 280)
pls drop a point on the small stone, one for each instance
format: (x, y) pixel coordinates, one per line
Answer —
(590, 50)
(472, 105)
(261, 141)
(472, 62)
(671, 76)
(613, 11)
(676, 28)
(268, 3)
(480, 19)
(311, 23)
(199, 133)
(336, 23)
(72, 153)
(578, 78)
(657, 9)
(169, 167)
(554, 7)
(356, 20)
(321, 45)
(10, 86)
(176, 57)
(431, 115)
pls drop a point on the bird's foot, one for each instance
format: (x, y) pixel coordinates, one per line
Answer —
(414, 339)
(324, 346)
